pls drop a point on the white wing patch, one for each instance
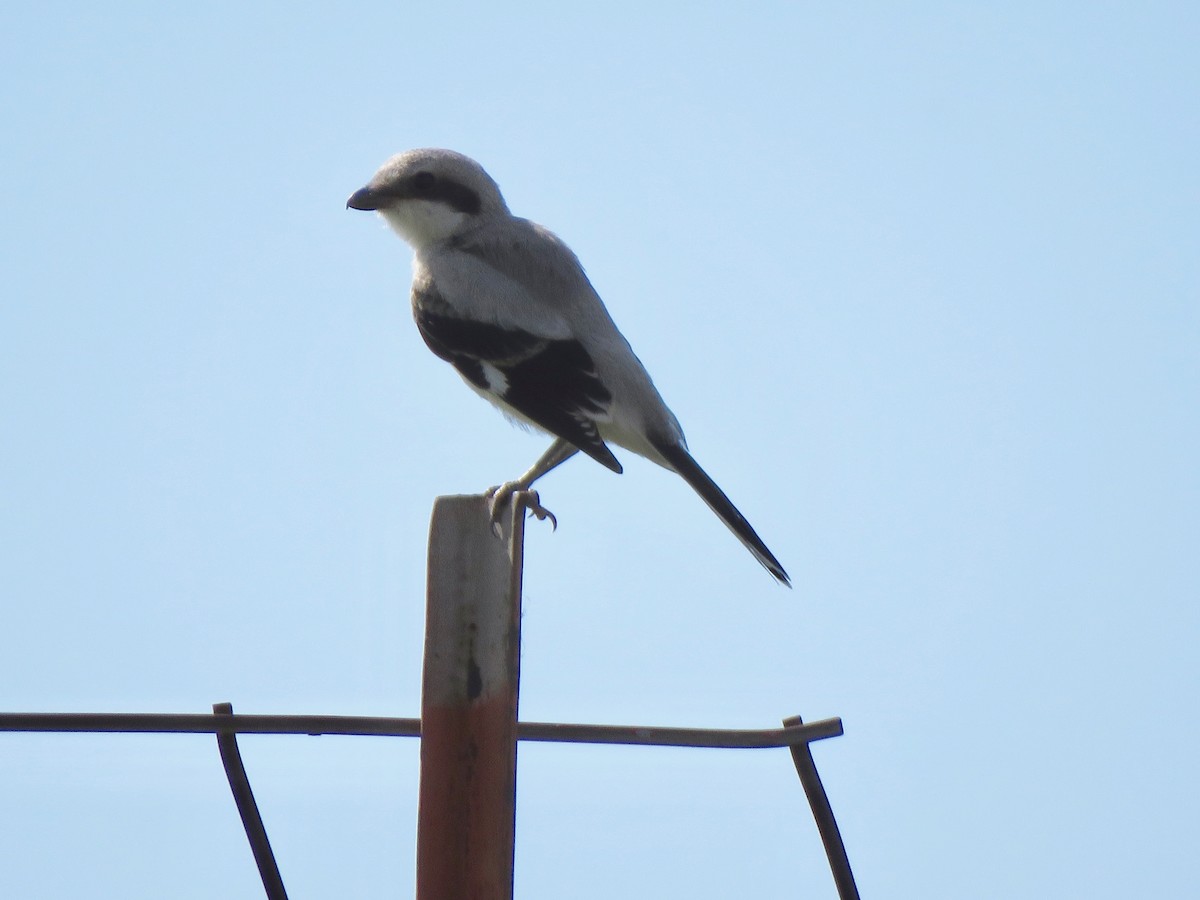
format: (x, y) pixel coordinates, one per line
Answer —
(496, 380)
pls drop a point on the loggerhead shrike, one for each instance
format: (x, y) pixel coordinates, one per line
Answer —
(506, 302)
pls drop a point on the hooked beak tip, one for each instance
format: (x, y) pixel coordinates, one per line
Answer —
(364, 199)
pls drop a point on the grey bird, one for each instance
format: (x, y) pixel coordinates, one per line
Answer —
(507, 303)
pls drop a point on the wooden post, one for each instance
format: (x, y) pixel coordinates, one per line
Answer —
(467, 798)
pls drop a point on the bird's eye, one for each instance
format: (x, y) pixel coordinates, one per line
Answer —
(423, 181)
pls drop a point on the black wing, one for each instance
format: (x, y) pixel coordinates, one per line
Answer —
(551, 382)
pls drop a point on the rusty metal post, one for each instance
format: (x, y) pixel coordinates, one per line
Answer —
(467, 797)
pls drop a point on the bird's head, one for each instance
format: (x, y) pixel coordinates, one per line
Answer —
(429, 195)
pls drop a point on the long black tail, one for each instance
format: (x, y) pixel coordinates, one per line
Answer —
(681, 461)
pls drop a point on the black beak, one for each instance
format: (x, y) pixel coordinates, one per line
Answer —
(363, 198)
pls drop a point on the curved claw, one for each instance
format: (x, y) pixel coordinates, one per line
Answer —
(500, 494)
(533, 503)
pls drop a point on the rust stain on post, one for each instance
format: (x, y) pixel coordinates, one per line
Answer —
(466, 806)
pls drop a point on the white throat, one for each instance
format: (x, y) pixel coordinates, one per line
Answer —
(423, 222)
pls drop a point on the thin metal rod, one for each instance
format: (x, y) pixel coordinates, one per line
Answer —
(243, 796)
(818, 800)
(199, 723)
(315, 725)
(715, 738)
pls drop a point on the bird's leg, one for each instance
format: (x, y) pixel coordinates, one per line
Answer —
(560, 451)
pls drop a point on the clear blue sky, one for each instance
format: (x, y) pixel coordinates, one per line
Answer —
(921, 285)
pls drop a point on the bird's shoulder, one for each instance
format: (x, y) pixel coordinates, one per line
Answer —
(509, 272)
(524, 251)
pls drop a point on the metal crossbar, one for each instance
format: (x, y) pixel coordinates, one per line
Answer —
(315, 725)
(226, 725)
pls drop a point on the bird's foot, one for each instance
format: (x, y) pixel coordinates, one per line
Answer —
(498, 496)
